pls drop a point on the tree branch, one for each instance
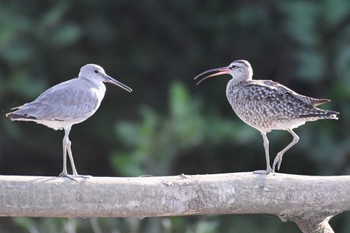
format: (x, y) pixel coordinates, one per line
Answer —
(310, 201)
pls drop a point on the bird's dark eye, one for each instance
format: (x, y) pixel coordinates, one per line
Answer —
(95, 71)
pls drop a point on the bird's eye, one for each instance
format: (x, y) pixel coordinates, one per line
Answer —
(95, 71)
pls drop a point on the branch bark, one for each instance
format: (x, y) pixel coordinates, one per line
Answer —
(310, 201)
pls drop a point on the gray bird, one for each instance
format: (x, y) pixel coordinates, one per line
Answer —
(66, 104)
(267, 105)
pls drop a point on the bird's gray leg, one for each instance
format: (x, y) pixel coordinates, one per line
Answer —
(278, 159)
(267, 156)
(64, 171)
(71, 160)
(66, 143)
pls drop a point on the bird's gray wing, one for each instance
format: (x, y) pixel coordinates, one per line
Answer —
(64, 101)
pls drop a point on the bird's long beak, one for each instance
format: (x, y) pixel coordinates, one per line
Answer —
(109, 79)
(215, 72)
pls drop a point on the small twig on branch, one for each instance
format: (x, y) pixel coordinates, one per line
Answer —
(291, 197)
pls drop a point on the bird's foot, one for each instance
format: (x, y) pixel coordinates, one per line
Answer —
(82, 176)
(66, 175)
(277, 161)
(74, 176)
(265, 172)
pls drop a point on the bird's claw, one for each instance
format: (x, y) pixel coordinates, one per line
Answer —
(74, 176)
(264, 172)
(277, 161)
(82, 176)
(66, 175)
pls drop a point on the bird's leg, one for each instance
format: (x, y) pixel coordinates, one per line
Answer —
(66, 143)
(64, 171)
(70, 154)
(278, 159)
(267, 156)
(71, 160)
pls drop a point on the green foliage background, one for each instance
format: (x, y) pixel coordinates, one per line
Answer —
(167, 126)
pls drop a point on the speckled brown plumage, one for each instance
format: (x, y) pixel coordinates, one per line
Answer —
(267, 105)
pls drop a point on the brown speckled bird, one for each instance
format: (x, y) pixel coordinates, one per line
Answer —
(267, 105)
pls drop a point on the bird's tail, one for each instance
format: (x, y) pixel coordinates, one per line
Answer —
(18, 117)
(316, 102)
(323, 114)
(332, 115)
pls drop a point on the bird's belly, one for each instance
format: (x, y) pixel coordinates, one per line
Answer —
(264, 119)
(58, 125)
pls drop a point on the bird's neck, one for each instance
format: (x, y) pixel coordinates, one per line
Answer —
(239, 78)
(95, 84)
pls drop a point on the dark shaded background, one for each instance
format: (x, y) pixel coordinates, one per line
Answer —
(168, 126)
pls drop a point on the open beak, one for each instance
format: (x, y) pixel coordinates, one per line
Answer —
(109, 79)
(215, 72)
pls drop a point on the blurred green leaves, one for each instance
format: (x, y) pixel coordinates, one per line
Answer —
(157, 47)
(159, 138)
(51, 28)
(156, 141)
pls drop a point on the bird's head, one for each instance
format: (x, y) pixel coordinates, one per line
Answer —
(240, 69)
(97, 73)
